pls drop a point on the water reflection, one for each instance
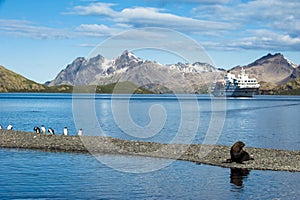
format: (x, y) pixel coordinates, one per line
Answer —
(237, 175)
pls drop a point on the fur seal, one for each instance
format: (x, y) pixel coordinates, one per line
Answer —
(237, 154)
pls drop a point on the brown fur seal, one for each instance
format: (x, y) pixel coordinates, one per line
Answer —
(237, 154)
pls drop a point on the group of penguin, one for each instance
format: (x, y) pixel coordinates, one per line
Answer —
(42, 130)
(51, 131)
(9, 127)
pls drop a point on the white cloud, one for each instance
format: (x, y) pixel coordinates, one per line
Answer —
(137, 17)
(265, 39)
(94, 8)
(275, 39)
(275, 14)
(219, 24)
(192, 1)
(88, 45)
(269, 24)
(96, 30)
(22, 28)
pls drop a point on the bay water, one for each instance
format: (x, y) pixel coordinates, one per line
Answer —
(261, 121)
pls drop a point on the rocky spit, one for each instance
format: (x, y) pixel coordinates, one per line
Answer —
(264, 159)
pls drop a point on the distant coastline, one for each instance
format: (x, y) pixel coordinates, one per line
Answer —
(109, 89)
(126, 88)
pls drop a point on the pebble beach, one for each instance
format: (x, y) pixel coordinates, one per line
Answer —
(264, 159)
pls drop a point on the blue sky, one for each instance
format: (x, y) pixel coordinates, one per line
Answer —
(39, 38)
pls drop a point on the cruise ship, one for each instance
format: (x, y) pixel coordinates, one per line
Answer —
(232, 86)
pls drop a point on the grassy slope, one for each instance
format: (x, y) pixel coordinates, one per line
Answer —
(289, 88)
(13, 82)
(119, 88)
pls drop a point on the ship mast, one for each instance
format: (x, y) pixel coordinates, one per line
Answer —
(242, 72)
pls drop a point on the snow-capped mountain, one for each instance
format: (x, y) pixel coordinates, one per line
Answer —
(180, 77)
(195, 67)
(128, 67)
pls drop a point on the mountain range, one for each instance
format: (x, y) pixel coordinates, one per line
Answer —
(179, 78)
(273, 71)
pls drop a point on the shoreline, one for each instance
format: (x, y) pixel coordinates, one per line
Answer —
(261, 93)
(264, 159)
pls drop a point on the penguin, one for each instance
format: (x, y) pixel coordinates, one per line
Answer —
(65, 131)
(9, 127)
(37, 130)
(51, 131)
(0, 127)
(43, 130)
(80, 132)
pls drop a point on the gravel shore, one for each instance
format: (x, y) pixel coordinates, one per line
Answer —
(264, 159)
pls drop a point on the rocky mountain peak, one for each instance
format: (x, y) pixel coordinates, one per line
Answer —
(266, 59)
(127, 59)
(78, 61)
(275, 59)
(272, 68)
(129, 55)
(97, 59)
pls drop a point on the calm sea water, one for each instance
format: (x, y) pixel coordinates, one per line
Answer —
(262, 121)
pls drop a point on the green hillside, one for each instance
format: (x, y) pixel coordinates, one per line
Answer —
(289, 88)
(118, 88)
(13, 82)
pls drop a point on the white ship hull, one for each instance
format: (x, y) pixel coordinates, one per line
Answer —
(235, 92)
